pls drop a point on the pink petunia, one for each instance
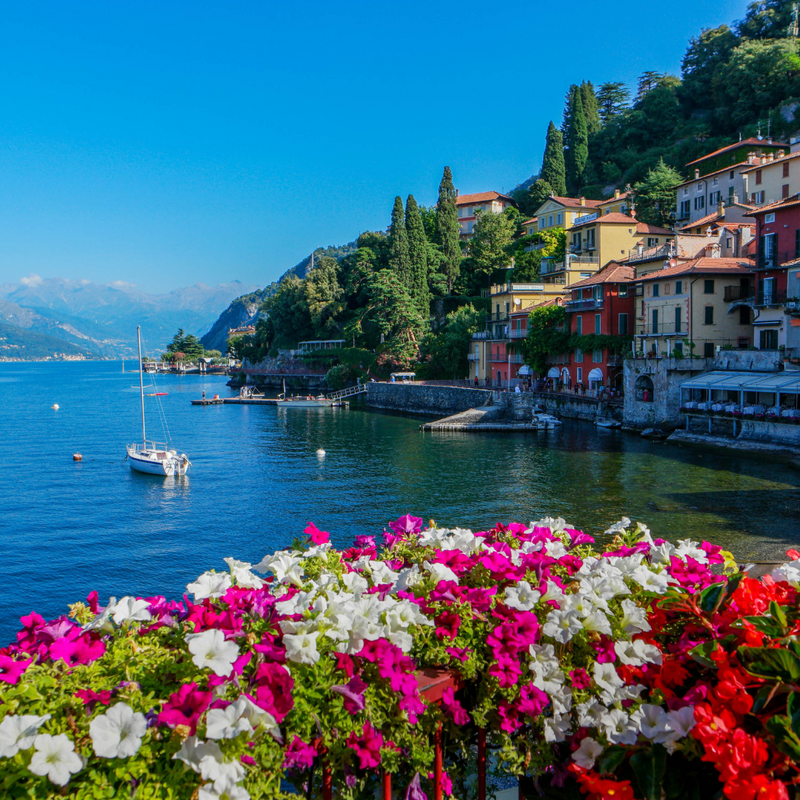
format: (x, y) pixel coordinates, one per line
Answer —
(580, 678)
(353, 694)
(274, 686)
(317, 536)
(10, 670)
(532, 700)
(453, 707)
(82, 650)
(406, 524)
(299, 755)
(184, 707)
(367, 746)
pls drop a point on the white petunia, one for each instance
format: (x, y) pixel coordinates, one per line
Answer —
(209, 792)
(634, 618)
(228, 722)
(132, 609)
(224, 774)
(522, 596)
(657, 582)
(284, 565)
(357, 584)
(440, 572)
(381, 573)
(410, 576)
(590, 713)
(102, 622)
(210, 584)
(209, 649)
(55, 757)
(662, 553)
(240, 572)
(619, 728)
(605, 676)
(562, 625)
(637, 653)
(681, 721)
(789, 573)
(258, 717)
(652, 721)
(555, 549)
(553, 592)
(619, 527)
(688, 548)
(586, 754)
(17, 732)
(302, 648)
(194, 750)
(556, 728)
(118, 733)
(597, 621)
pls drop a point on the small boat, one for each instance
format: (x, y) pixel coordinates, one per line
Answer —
(607, 423)
(154, 458)
(545, 421)
(305, 401)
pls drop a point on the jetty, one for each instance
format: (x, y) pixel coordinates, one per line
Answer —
(212, 401)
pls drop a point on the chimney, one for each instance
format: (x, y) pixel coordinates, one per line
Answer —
(583, 201)
(771, 157)
(721, 209)
(696, 174)
(616, 194)
(751, 158)
(781, 153)
(456, 192)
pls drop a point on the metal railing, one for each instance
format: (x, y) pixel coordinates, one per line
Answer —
(663, 328)
(775, 259)
(584, 305)
(733, 293)
(767, 298)
(517, 334)
(649, 253)
(473, 357)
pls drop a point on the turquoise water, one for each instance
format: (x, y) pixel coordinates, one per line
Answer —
(68, 528)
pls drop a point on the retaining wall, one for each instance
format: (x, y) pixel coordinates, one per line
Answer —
(421, 399)
(520, 406)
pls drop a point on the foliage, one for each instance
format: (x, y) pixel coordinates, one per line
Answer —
(399, 260)
(418, 257)
(546, 335)
(576, 141)
(655, 196)
(527, 264)
(324, 297)
(488, 250)
(339, 376)
(553, 169)
(590, 107)
(447, 229)
(289, 315)
(631, 673)
(187, 344)
(443, 354)
(612, 99)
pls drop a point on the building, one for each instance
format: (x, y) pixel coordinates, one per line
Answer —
(686, 308)
(772, 177)
(602, 305)
(718, 177)
(620, 203)
(489, 357)
(733, 213)
(559, 212)
(775, 290)
(247, 330)
(470, 206)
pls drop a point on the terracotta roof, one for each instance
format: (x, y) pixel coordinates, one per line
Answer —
(786, 202)
(622, 196)
(481, 197)
(530, 221)
(703, 266)
(776, 160)
(613, 272)
(644, 227)
(742, 143)
(553, 301)
(711, 174)
(713, 217)
(574, 202)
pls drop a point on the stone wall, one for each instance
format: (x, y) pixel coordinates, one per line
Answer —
(741, 432)
(520, 406)
(744, 360)
(421, 399)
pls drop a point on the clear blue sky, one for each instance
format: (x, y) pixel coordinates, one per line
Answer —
(167, 143)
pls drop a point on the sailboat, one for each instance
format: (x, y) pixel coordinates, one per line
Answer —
(154, 458)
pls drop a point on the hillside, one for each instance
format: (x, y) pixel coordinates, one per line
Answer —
(25, 345)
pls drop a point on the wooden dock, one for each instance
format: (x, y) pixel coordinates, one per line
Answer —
(213, 401)
(251, 401)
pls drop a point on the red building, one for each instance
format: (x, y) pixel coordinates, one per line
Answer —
(603, 305)
(778, 251)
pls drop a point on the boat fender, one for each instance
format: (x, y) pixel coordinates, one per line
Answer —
(320, 453)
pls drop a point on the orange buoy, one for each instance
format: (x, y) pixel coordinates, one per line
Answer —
(77, 457)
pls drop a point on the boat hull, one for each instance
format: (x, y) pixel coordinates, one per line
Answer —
(305, 403)
(164, 467)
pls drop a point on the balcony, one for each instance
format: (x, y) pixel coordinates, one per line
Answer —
(792, 307)
(584, 305)
(517, 334)
(594, 260)
(776, 259)
(507, 288)
(734, 293)
(562, 359)
(662, 329)
(473, 357)
(504, 358)
(549, 266)
(649, 253)
(770, 298)
(614, 361)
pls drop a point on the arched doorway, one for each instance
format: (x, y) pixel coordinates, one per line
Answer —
(644, 389)
(595, 378)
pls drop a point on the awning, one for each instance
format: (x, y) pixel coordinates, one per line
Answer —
(524, 370)
(553, 372)
(596, 375)
(767, 322)
(746, 381)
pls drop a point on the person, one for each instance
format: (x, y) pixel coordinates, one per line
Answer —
(204, 394)
(476, 381)
(392, 377)
(517, 389)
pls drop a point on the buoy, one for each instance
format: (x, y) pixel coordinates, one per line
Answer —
(54, 406)
(321, 453)
(77, 457)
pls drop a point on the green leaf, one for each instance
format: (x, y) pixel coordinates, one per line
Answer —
(771, 662)
(761, 698)
(711, 597)
(793, 708)
(776, 612)
(649, 767)
(701, 654)
(785, 739)
(611, 758)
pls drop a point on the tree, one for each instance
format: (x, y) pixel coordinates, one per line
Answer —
(655, 195)
(706, 53)
(612, 99)
(590, 109)
(540, 191)
(418, 257)
(447, 229)
(489, 246)
(647, 82)
(398, 245)
(553, 169)
(546, 335)
(324, 297)
(288, 313)
(578, 152)
(184, 347)
(444, 353)
(767, 19)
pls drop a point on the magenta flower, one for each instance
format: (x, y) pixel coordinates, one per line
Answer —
(532, 700)
(453, 707)
(447, 624)
(459, 653)
(299, 755)
(272, 649)
(578, 537)
(82, 650)
(345, 663)
(91, 699)
(353, 694)
(274, 687)
(605, 650)
(507, 672)
(713, 551)
(580, 678)
(415, 792)
(317, 536)
(406, 524)
(365, 541)
(184, 707)
(509, 717)
(11, 670)
(367, 746)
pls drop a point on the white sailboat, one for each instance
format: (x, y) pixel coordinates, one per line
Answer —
(154, 458)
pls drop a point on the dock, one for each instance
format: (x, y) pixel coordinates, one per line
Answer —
(214, 401)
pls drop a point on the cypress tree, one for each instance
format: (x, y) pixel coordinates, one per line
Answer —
(447, 229)
(418, 257)
(578, 152)
(553, 170)
(399, 261)
(590, 111)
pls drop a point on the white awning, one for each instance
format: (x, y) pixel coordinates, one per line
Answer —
(596, 375)
(524, 370)
(746, 381)
(764, 322)
(553, 372)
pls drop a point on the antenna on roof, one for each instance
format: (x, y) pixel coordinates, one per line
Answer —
(759, 137)
(740, 136)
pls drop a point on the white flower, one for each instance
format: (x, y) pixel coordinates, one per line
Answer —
(651, 581)
(619, 527)
(688, 548)
(555, 549)
(209, 649)
(634, 618)
(586, 754)
(556, 728)
(789, 573)
(224, 774)
(555, 524)
(193, 751)
(381, 573)
(522, 596)
(590, 713)
(207, 792)
(553, 592)
(17, 732)
(302, 647)
(662, 553)
(118, 733)
(228, 722)
(240, 572)
(102, 622)
(210, 584)
(285, 565)
(637, 653)
(55, 757)
(681, 721)
(597, 621)
(562, 625)
(131, 608)
(257, 716)
(652, 721)
(357, 584)
(619, 728)
(605, 676)
(440, 572)
(408, 577)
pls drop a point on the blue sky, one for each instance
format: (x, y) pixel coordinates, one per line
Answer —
(168, 143)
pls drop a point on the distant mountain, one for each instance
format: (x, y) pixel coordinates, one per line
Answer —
(103, 317)
(18, 343)
(245, 310)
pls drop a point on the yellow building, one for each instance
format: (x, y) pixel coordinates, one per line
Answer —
(559, 212)
(620, 203)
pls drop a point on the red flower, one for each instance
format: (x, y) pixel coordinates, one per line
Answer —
(367, 746)
(274, 687)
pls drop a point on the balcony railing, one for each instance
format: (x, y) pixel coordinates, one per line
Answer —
(662, 329)
(584, 305)
(766, 299)
(793, 307)
(517, 334)
(776, 259)
(585, 259)
(473, 357)
(504, 358)
(649, 253)
(734, 293)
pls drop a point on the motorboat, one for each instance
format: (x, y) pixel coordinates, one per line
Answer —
(305, 401)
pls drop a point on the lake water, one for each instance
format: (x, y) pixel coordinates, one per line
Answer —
(67, 528)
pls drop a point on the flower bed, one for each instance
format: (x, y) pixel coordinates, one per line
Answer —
(635, 672)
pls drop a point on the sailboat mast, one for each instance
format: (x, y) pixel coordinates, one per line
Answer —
(141, 383)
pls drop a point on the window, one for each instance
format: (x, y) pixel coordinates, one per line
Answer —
(757, 198)
(559, 217)
(758, 177)
(708, 317)
(678, 287)
(708, 287)
(666, 288)
(731, 175)
(677, 319)
(769, 217)
(686, 209)
(744, 315)
(550, 220)
(767, 250)
(654, 320)
(715, 181)
(580, 374)
(730, 191)
(648, 290)
(677, 348)
(623, 290)
(768, 340)
(699, 202)
(729, 243)
(542, 222)
(714, 198)
(576, 241)
(597, 323)
(597, 356)
(686, 190)
(578, 356)
(590, 239)
(644, 388)
(656, 290)
(623, 325)
(797, 243)
(743, 343)
(652, 241)
(708, 350)
(785, 190)
(579, 325)
(786, 170)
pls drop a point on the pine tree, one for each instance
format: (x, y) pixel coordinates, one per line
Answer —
(578, 152)
(589, 99)
(566, 120)
(399, 261)
(553, 170)
(612, 99)
(539, 192)
(418, 257)
(647, 82)
(447, 229)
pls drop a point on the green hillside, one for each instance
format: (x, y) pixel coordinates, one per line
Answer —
(18, 343)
